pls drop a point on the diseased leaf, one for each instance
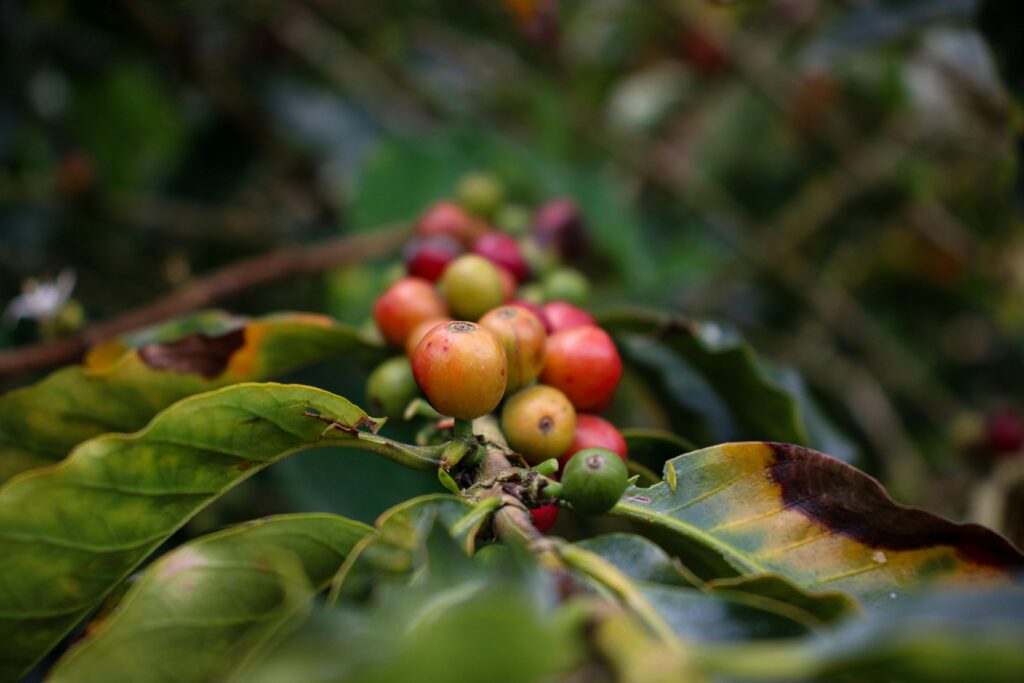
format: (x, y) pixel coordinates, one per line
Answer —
(71, 532)
(120, 388)
(201, 610)
(947, 637)
(642, 560)
(757, 407)
(760, 508)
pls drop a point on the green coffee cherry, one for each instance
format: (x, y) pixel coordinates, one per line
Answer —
(390, 387)
(480, 194)
(566, 284)
(594, 480)
(513, 219)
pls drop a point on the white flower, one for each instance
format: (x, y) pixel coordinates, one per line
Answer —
(41, 301)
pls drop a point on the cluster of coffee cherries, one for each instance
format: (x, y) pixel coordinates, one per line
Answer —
(487, 316)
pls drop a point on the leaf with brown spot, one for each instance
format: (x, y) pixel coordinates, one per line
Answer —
(123, 384)
(753, 508)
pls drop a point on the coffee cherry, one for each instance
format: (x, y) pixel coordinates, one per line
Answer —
(595, 432)
(544, 517)
(558, 225)
(480, 193)
(390, 387)
(539, 423)
(1004, 432)
(420, 331)
(522, 335)
(536, 309)
(566, 284)
(594, 480)
(450, 220)
(562, 315)
(403, 306)
(428, 257)
(472, 286)
(461, 369)
(513, 219)
(583, 363)
(503, 250)
(508, 283)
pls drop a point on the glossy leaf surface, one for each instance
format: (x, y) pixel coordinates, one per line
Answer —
(201, 610)
(72, 532)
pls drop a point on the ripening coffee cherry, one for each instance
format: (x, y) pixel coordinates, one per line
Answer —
(427, 257)
(539, 423)
(461, 368)
(544, 517)
(558, 225)
(508, 283)
(562, 315)
(522, 335)
(594, 480)
(403, 306)
(450, 220)
(566, 284)
(480, 193)
(583, 363)
(390, 387)
(472, 285)
(594, 432)
(536, 309)
(503, 250)
(419, 332)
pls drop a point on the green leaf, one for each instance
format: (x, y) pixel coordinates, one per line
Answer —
(653, 447)
(758, 407)
(390, 554)
(702, 617)
(644, 561)
(70, 533)
(121, 387)
(762, 508)
(449, 619)
(947, 637)
(198, 612)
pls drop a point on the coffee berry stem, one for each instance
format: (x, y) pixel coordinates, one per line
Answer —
(547, 468)
(463, 429)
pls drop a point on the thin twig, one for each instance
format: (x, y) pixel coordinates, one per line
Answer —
(274, 266)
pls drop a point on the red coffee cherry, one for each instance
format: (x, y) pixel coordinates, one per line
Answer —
(472, 286)
(1004, 432)
(461, 368)
(522, 335)
(503, 250)
(558, 225)
(544, 517)
(450, 220)
(403, 306)
(539, 423)
(562, 315)
(595, 432)
(428, 257)
(583, 363)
